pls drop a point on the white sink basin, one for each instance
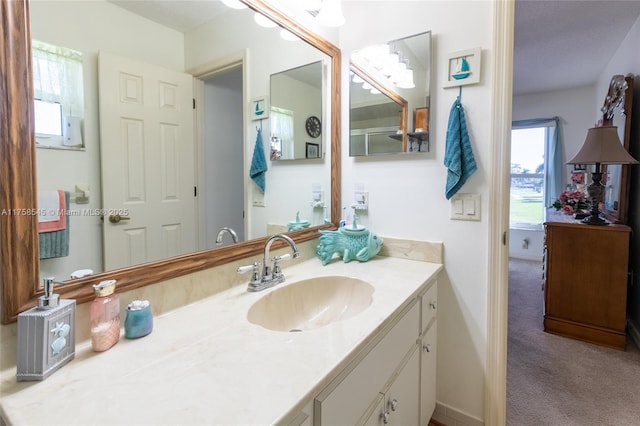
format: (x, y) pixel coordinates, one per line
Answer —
(311, 303)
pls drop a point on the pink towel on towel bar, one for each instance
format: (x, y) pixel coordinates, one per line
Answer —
(60, 221)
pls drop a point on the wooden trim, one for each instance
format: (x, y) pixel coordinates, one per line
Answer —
(19, 249)
(585, 332)
(501, 72)
(620, 216)
(18, 222)
(404, 104)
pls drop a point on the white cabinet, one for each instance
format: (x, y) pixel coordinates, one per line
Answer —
(428, 346)
(345, 400)
(399, 404)
(428, 375)
(392, 381)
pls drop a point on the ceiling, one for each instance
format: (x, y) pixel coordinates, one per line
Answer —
(557, 43)
(564, 43)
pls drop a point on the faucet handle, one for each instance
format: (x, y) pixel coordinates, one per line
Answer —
(277, 271)
(255, 267)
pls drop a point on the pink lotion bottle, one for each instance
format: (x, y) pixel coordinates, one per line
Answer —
(105, 316)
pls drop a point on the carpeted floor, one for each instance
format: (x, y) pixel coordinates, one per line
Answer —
(552, 380)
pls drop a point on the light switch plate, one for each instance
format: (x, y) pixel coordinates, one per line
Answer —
(465, 207)
(259, 199)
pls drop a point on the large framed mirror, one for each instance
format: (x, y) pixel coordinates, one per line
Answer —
(18, 188)
(616, 111)
(389, 95)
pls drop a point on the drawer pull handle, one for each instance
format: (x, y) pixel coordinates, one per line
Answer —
(385, 417)
(426, 347)
(393, 404)
(433, 305)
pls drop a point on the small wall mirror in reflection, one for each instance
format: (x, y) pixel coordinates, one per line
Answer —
(295, 118)
(389, 97)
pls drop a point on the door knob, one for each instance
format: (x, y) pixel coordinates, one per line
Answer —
(115, 218)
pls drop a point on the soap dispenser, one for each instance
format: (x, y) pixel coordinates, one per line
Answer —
(105, 316)
(46, 335)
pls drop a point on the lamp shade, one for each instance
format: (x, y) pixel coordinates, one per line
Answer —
(602, 146)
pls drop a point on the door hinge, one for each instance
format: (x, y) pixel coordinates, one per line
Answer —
(504, 238)
(194, 103)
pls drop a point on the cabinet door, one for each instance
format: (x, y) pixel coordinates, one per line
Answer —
(428, 374)
(402, 398)
(376, 417)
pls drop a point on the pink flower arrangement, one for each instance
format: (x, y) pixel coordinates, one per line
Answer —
(571, 202)
(577, 177)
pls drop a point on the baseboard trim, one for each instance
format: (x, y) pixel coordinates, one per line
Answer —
(633, 332)
(520, 256)
(449, 416)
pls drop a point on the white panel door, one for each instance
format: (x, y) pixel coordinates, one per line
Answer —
(148, 164)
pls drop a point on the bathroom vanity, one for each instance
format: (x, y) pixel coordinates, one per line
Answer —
(206, 363)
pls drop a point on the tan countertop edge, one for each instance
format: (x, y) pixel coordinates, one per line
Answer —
(205, 343)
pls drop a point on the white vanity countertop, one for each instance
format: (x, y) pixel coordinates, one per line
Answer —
(206, 364)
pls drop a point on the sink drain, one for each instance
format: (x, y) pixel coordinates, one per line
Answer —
(295, 330)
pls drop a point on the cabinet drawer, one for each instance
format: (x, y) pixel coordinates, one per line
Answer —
(429, 302)
(347, 398)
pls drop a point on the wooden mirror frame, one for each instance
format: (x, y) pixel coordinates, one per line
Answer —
(19, 247)
(623, 103)
(404, 114)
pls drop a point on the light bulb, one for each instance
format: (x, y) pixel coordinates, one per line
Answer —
(407, 81)
(263, 21)
(357, 79)
(311, 5)
(288, 35)
(234, 4)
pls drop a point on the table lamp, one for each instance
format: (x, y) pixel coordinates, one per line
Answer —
(601, 146)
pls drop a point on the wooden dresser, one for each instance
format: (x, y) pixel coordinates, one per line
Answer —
(585, 289)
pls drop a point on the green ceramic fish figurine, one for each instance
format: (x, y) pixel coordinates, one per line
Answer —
(350, 244)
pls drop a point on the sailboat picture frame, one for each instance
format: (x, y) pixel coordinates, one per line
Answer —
(463, 67)
(259, 108)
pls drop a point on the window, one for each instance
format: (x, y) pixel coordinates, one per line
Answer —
(527, 177)
(281, 122)
(58, 93)
(48, 117)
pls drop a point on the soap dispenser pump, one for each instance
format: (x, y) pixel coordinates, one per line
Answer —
(46, 335)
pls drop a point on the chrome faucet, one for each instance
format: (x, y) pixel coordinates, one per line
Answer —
(269, 276)
(221, 232)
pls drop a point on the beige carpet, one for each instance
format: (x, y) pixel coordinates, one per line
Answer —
(552, 380)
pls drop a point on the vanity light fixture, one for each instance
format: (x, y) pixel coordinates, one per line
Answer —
(406, 81)
(330, 14)
(234, 4)
(311, 5)
(390, 66)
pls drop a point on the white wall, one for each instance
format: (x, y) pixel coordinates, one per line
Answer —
(90, 27)
(407, 193)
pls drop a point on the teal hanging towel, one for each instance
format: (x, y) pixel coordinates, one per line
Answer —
(458, 156)
(258, 163)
